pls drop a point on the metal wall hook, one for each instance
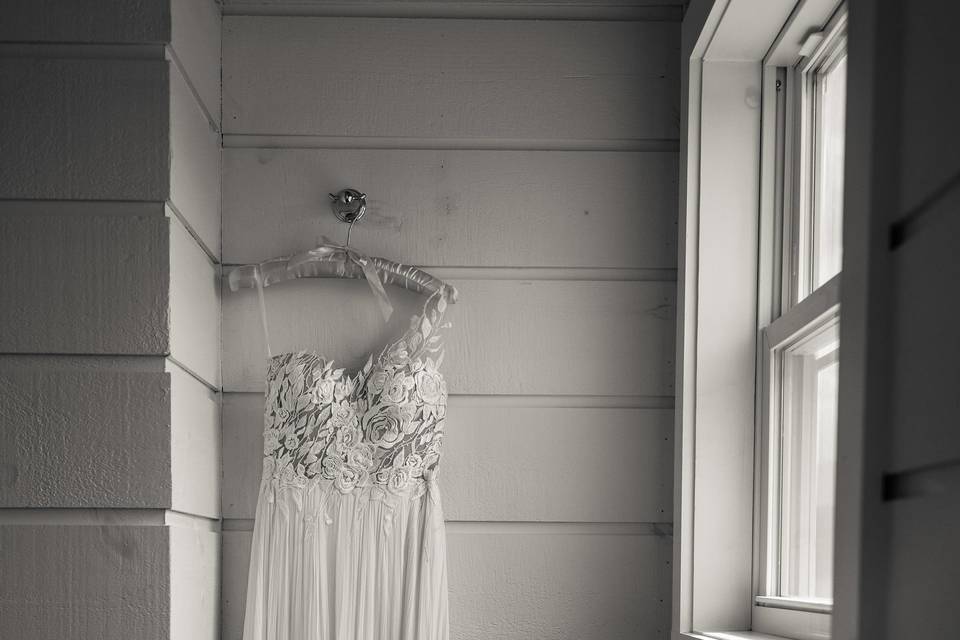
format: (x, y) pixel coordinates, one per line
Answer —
(348, 205)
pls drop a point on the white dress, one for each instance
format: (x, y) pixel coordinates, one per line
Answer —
(349, 540)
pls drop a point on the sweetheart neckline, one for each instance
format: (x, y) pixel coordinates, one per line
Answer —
(415, 321)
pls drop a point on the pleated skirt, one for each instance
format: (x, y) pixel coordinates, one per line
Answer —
(361, 565)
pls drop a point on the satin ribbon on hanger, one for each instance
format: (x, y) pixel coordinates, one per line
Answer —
(327, 248)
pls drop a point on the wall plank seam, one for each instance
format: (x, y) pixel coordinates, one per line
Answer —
(172, 56)
(307, 141)
(662, 11)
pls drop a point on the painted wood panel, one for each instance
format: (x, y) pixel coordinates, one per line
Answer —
(105, 21)
(195, 40)
(194, 445)
(84, 582)
(194, 164)
(527, 585)
(924, 399)
(84, 439)
(90, 284)
(508, 337)
(95, 129)
(509, 463)
(927, 111)
(451, 78)
(194, 306)
(194, 584)
(923, 568)
(443, 207)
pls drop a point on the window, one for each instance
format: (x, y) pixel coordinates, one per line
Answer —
(798, 348)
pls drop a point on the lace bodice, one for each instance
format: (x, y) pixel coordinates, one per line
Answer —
(382, 425)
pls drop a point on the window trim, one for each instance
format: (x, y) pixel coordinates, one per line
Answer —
(724, 44)
(786, 208)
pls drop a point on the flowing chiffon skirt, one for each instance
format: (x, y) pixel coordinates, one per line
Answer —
(367, 564)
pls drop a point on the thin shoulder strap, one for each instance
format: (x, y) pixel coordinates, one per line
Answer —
(263, 309)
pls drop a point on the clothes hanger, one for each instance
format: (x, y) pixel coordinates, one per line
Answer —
(331, 260)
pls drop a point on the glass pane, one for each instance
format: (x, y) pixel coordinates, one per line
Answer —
(808, 465)
(831, 87)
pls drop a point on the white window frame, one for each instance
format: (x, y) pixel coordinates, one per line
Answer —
(729, 222)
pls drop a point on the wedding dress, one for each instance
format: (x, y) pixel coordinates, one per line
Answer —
(349, 542)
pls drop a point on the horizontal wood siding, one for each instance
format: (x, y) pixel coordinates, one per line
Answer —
(196, 42)
(194, 584)
(514, 586)
(84, 439)
(508, 463)
(194, 446)
(84, 129)
(508, 337)
(104, 21)
(194, 164)
(925, 402)
(451, 78)
(447, 207)
(533, 164)
(84, 582)
(194, 306)
(84, 284)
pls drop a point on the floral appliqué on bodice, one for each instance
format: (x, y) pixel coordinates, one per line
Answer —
(382, 425)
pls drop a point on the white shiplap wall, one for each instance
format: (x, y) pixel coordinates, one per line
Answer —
(534, 164)
(109, 319)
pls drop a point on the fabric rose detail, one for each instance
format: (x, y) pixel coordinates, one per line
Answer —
(396, 388)
(378, 379)
(343, 416)
(400, 477)
(348, 438)
(270, 442)
(322, 392)
(429, 386)
(385, 423)
(350, 477)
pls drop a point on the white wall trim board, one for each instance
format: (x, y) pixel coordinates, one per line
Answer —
(171, 56)
(102, 517)
(193, 374)
(653, 10)
(297, 141)
(174, 212)
(78, 50)
(81, 207)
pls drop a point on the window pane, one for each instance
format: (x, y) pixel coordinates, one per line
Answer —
(808, 462)
(831, 88)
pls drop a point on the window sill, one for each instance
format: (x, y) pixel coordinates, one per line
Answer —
(729, 635)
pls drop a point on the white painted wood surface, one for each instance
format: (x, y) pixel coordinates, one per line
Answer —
(194, 306)
(487, 9)
(527, 585)
(194, 164)
(508, 337)
(508, 463)
(194, 445)
(924, 402)
(194, 584)
(928, 103)
(195, 40)
(84, 284)
(532, 163)
(446, 207)
(83, 439)
(84, 582)
(105, 21)
(450, 78)
(95, 129)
